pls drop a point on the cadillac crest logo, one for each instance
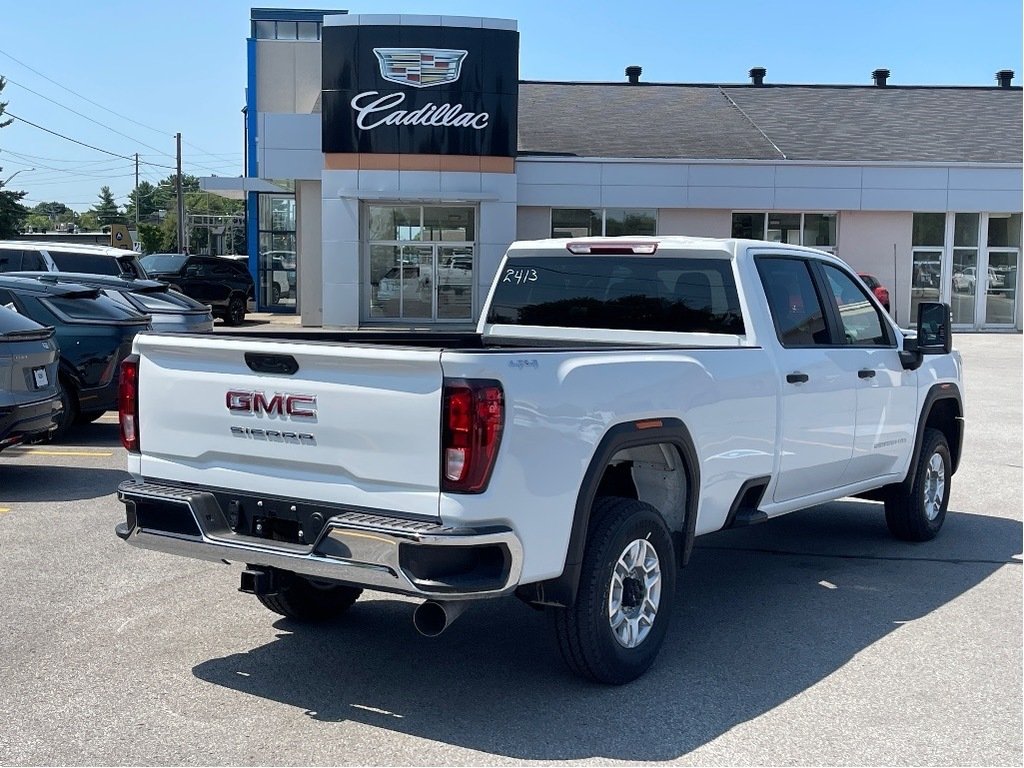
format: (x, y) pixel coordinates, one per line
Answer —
(420, 67)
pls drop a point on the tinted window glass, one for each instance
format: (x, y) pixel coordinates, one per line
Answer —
(11, 321)
(683, 295)
(163, 262)
(130, 266)
(6, 297)
(858, 316)
(81, 308)
(795, 306)
(32, 261)
(10, 261)
(89, 263)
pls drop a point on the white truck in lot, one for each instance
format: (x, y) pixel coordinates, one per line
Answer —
(620, 397)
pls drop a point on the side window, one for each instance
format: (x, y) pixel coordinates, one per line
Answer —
(32, 261)
(10, 261)
(195, 268)
(794, 303)
(859, 318)
(7, 299)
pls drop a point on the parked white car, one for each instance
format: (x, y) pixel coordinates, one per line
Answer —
(966, 280)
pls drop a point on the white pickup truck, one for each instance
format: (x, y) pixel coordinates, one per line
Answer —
(619, 398)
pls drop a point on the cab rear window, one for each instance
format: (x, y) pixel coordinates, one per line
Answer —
(640, 293)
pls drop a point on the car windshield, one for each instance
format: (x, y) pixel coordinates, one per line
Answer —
(164, 262)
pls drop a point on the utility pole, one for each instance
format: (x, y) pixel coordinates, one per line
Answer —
(136, 194)
(182, 245)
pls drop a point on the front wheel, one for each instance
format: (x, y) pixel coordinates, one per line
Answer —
(236, 310)
(916, 508)
(615, 629)
(304, 600)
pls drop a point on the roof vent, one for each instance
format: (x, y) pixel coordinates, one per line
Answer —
(880, 76)
(633, 73)
(757, 75)
(1004, 77)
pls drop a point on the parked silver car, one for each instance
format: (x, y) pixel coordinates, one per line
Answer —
(29, 397)
(169, 310)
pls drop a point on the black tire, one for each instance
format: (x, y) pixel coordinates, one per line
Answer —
(586, 639)
(235, 314)
(910, 509)
(69, 414)
(275, 294)
(89, 417)
(304, 600)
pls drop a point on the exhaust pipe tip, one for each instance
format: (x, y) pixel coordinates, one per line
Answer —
(432, 617)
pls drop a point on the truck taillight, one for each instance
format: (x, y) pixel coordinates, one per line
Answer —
(128, 403)
(473, 418)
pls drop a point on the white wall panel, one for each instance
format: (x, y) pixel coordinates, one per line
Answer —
(905, 178)
(756, 198)
(291, 164)
(807, 199)
(380, 181)
(290, 131)
(645, 174)
(818, 177)
(996, 201)
(418, 182)
(558, 173)
(497, 223)
(709, 175)
(643, 197)
(1009, 179)
(340, 219)
(503, 186)
(454, 182)
(560, 196)
(874, 199)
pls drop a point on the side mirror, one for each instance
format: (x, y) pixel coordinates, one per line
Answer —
(934, 334)
(934, 328)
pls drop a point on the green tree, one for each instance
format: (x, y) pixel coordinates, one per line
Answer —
(12, 212)
(148, 199)
(107, 211)
(152, 238)
(88, 222)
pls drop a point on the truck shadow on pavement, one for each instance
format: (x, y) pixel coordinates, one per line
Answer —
(47, 482)
(761, 615)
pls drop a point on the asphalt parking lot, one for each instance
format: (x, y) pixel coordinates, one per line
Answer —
(814, 639)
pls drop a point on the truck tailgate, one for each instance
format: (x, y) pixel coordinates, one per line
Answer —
(364, 428)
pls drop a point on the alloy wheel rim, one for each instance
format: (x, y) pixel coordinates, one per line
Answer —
(635, 593)
(934, 486)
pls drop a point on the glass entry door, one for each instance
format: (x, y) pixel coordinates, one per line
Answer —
(421, 275)
(1001, 287)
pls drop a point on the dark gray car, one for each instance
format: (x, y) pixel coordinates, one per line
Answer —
(169, 310)
(29, 397)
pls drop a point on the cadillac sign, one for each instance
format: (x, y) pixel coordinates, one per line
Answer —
(445, 90)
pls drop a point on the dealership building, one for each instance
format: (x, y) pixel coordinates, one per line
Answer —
(392, 159)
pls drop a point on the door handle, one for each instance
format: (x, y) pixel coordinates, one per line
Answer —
(797, 378)
(866, 373)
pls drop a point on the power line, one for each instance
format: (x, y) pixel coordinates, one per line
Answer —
(26, 155)
(96, 103)
(82, 143)
(91, 120)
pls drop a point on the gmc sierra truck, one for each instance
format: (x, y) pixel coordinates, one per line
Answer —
(620, 397)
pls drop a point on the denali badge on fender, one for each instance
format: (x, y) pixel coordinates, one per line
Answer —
(281, 404)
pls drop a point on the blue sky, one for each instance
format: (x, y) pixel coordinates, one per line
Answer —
(181, 66)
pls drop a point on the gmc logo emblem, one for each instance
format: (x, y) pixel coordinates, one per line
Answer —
(295, 406)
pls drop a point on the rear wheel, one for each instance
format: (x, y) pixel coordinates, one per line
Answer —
(275, 294)
(615, 629)
(304, 600)
(69, 415)
(89, 417)
(916, 508)
(236, 310)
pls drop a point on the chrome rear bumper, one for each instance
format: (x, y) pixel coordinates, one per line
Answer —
(377, 551)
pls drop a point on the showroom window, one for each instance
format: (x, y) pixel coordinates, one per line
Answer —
(266, 29)
(609, 222)
(277, 260)
(815, 230)
(929, 238)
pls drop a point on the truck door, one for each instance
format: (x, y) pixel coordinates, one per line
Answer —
(886, 393)
(818, 401)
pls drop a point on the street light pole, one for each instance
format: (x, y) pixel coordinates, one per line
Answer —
(5, 183)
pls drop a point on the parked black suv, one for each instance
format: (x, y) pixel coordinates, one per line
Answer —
(94, 334)
(29, 397)
(224, 284)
